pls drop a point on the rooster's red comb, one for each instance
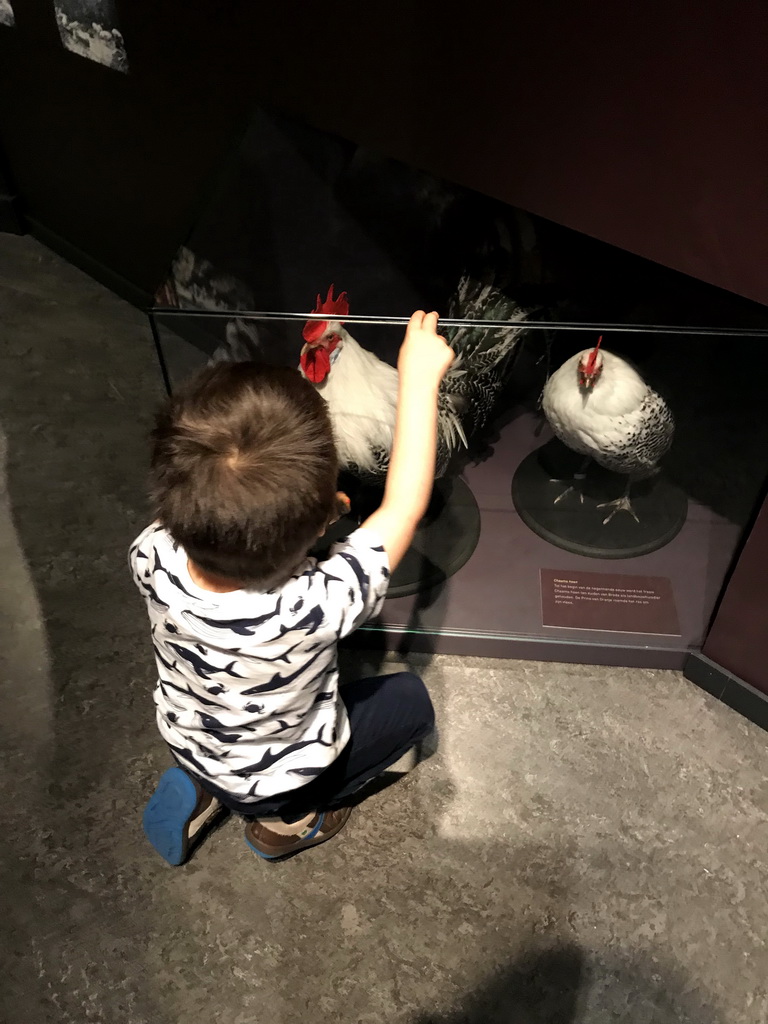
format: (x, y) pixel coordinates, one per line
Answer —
(339, 305)
(333, 309)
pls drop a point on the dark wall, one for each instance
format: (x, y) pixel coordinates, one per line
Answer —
(114, 163)
(10, 213)
(645, 125)
(738, 639)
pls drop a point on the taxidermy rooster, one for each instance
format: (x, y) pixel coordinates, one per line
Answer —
(600, 407)
(361, 389)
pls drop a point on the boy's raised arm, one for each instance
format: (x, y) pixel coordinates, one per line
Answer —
(424, 358)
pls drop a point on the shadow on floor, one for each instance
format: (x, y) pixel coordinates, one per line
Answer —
(562, 985)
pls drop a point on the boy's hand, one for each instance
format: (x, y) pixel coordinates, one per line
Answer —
(424, 355)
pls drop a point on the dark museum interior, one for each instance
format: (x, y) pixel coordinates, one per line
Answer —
(580, 192)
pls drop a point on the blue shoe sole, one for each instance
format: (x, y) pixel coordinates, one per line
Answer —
(167, 815)
(264, 856)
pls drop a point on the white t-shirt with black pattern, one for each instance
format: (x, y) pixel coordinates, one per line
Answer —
(248, 684)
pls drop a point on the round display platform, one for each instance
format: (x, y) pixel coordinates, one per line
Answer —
(446, 538)
(576, 525)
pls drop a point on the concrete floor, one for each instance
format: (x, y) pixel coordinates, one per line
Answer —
(588, 845)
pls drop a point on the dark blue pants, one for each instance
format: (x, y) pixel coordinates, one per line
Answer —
(387, 714)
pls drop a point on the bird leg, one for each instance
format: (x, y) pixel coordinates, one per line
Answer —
(578, 479)
(620, 504)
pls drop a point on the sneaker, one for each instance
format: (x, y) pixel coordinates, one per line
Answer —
(272, 846)
(178, 815)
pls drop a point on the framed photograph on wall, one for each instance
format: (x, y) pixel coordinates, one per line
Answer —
(89, 28)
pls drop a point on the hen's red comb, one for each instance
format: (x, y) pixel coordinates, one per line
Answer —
(592, 358)
(339, 305)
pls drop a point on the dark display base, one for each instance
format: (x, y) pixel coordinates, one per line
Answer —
(445, 540)
(577, 525)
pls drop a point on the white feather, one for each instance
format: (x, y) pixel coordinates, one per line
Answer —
(595, 421)
(586, 416)
(361, 392)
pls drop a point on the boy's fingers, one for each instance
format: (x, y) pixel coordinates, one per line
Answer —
(430, 321)
(417, 319)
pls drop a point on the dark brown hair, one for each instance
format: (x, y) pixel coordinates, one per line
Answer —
(244, 470)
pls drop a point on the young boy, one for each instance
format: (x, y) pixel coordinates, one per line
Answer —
(245, 625)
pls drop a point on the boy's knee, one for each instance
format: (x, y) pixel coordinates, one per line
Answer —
(410, 689)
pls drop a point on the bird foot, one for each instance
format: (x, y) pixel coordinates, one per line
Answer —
(620, 504)
(568, 490)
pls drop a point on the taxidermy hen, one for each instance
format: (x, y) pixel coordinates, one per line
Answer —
(361, 389)
(600, 407)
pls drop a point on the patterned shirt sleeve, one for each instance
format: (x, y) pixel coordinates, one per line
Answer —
(357, 575)
(137, 555)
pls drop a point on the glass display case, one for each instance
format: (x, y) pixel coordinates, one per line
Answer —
(527, 549)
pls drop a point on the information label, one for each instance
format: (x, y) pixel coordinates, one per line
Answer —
(611, 602)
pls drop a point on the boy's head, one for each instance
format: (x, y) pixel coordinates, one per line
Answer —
(244, 470)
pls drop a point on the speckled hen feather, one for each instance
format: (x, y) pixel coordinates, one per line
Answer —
(471, 387)
(622, 423)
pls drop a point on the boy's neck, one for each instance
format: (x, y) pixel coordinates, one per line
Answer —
(210, 581)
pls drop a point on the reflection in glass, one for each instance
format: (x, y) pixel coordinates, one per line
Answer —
(504, 531)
